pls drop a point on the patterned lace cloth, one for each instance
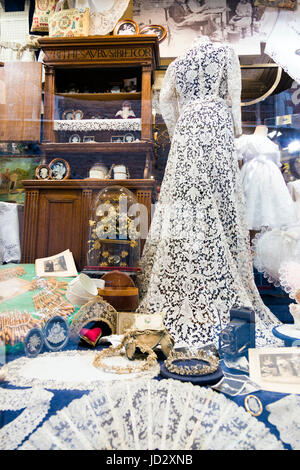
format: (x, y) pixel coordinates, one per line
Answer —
(285, 416)
(196, 261)
(36, 403)
(150, 414)
(98, 125)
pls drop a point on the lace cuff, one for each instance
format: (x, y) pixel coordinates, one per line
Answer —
(234, 90)
(168, 100)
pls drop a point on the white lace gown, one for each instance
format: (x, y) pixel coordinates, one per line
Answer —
(196, 261)
(268, 200)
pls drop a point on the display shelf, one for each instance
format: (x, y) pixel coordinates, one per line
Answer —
(102, 96)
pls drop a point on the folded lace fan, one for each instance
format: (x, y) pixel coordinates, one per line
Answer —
(151, 414)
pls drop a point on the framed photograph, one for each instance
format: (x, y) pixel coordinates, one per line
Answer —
(60, 265)
(74, 139)
(68, 114)
(276, 369)
(43, 172)
(89, 138)
(129, 138)
(227, 21)
(60, 169)
(126, 27)
(158, 30)
(78, 114)
(117, 138)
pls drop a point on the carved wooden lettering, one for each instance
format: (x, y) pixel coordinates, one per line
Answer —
(96, 54)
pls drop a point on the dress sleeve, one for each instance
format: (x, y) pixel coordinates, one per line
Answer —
(168, 100)
(234, 90)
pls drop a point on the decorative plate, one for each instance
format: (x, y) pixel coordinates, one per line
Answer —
(78, 114)
(43, 172)
(60, 169)
(126, 27)
(158, 30)
(68, 114)
(56, 333)
(34, 342)
(129, 138)
(74, 139)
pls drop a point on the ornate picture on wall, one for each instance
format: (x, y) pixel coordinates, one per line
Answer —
(234, 21)
(12, 171)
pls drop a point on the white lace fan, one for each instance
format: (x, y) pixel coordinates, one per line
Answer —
(151, 414)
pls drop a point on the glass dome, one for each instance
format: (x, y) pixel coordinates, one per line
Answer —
(114, 238)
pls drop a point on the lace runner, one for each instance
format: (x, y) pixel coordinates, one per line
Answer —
(151, 414)
(36, 402)
(98, 125)
(69, 370)
(285, 416)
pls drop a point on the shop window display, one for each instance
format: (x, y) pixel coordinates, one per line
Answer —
(165, 334)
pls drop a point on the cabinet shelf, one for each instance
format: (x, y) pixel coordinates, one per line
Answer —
(102, 96)
(97, 147)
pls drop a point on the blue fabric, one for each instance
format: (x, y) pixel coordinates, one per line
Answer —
(63, 398)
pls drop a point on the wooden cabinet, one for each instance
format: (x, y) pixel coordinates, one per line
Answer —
(78, 75)
(57, 213)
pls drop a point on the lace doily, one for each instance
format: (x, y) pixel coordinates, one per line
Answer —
(150, 414)
(97, 125)
(36, 402)
(284, 415)
(69, 370)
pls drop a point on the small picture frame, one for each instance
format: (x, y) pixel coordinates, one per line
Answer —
(117, 139)
(128, 138)
(253, 405)
(43, 172)
(56, 333)
(126, 27)
(158, 30)
(89, 138)
(60, 169)
(74, 139)
(68, 114)
(34, 342)
(78, 114)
